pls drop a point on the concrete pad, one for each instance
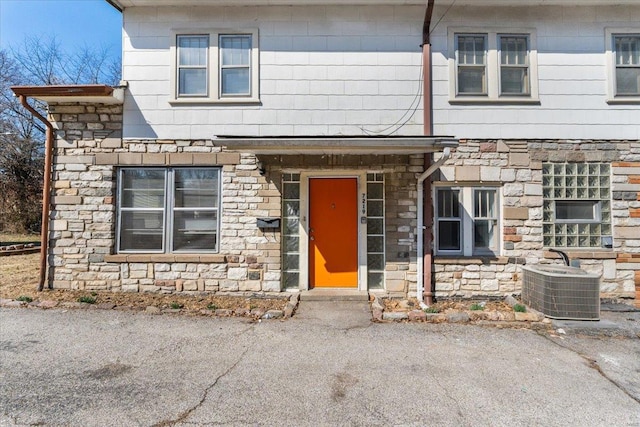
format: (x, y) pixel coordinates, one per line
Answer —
(334, 294)
(336, 314)
(589, 327)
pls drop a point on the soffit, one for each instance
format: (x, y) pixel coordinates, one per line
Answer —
(101, 94)
(122, 4)
(320, 145)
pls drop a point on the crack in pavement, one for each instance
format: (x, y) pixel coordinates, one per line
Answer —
(187, 413)
(593, 364)
(453, 399)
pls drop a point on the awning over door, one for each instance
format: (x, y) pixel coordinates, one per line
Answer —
(320, 145)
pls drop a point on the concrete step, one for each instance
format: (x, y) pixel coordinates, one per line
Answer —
(336, 294)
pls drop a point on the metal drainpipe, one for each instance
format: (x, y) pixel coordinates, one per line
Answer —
(46, 191)
(424, 257)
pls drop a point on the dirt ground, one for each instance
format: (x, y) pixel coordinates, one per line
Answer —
(446, 306)
(19, 278)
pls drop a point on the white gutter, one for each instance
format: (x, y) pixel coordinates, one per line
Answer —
(434, 167)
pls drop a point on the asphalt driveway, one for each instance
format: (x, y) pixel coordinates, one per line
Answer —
(328, 365)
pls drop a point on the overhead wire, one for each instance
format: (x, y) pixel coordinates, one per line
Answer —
(411, 109)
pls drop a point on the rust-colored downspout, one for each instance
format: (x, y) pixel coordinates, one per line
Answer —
(428, 131)
(46, 191)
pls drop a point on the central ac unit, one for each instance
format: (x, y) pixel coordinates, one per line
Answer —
(561, 292)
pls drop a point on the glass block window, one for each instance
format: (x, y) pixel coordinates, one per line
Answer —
(627, 64)
(375, 230)
(291, 230)
(577, 204)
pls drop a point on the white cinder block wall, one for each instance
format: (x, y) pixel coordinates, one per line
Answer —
(328, 70)
(572, 69)
(324, 70)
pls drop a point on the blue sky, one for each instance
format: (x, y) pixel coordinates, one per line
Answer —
(74, 23)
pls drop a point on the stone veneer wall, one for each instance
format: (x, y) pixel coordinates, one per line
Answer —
(517, 167)
(88, 148)
(400, 180)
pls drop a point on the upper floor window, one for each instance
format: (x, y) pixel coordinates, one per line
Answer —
(627, 64)
(192, 65)
(215, 66)
(514, 65)
(623, 56)
(492, 66)
(472, 64)
(168, 210)
(235, 65)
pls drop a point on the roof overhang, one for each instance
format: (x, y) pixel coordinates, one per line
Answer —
(319, 145)
(123, 4)
(94, 94)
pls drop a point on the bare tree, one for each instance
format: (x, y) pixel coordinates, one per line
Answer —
(37, 61)
(44, 62)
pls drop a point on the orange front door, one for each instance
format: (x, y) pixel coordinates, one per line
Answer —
(333, 232)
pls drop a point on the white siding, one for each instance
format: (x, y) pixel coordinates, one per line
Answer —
(323, 71)
(573, 76)
(352, 70)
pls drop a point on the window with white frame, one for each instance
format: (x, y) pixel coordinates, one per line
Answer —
(492, 65)
(215, 66)
(168, 210)
(467, 221)
(627, 64)
(576, 205)
(291, 230)
(192, 65)
(514, 65)
(472, 64)
(375, 230)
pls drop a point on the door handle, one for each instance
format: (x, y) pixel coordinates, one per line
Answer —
(312, 238)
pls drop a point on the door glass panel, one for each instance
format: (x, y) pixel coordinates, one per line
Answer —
(375, 244)
(375, 280)
(291, 262)
(375, 230)
(375, 190)
(375, 208)
(375, 226)
(291, 230)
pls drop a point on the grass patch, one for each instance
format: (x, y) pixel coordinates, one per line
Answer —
(519, 308)
(212, 307)
(87, 299)
(176, 305)
(476, 307)
(431, 310)
(15, 238)
(24, 298)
